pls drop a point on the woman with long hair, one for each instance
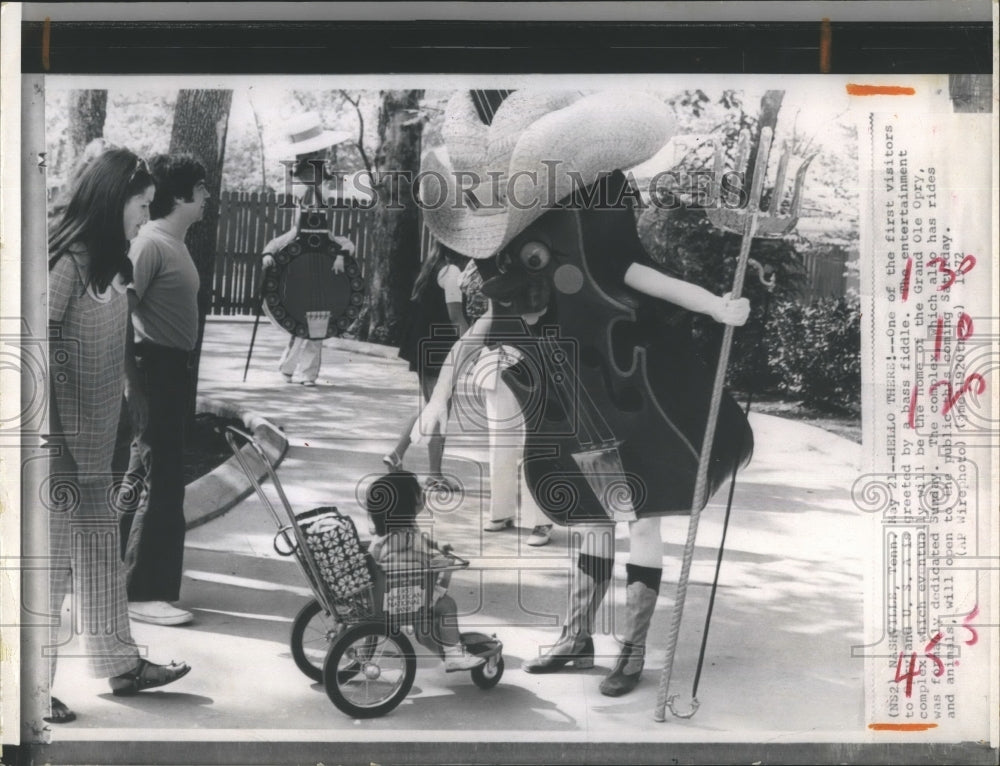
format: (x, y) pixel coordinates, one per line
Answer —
(436, 320)
(88, 366)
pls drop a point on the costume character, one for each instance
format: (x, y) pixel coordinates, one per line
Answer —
(616, 406)
(308, 142)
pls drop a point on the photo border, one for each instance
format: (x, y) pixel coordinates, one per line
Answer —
(935, 45)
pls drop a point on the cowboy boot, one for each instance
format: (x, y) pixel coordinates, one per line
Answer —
(575, 644)
(640, 602)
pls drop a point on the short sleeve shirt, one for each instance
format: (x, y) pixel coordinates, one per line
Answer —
(166, 283)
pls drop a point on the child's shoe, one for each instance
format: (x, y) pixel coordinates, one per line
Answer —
(456, 658)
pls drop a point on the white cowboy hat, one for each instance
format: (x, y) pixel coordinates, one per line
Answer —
(305, 134)
(494, 180)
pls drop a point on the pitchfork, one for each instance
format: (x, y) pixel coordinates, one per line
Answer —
(750, 221)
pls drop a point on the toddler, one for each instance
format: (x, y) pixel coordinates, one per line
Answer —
(393, 502)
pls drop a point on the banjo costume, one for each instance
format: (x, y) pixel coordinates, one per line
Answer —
(300, 362)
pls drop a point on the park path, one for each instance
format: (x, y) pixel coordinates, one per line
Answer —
(778, 666)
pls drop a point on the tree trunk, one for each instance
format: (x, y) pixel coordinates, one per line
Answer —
(770, 105)
(87, 111)
(394, 259)
(201, 119)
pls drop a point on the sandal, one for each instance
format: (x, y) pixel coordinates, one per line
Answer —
(59, 712)
(147, 675)
(393, 462)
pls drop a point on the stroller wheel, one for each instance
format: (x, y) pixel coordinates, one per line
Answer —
(369, 671)
(312, 633)
(487, 675)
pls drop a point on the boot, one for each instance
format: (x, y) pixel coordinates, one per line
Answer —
(575, 644)
(640, 602)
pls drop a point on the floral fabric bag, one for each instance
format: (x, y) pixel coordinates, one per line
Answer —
(342, 561)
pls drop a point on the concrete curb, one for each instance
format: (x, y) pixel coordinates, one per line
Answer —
(222, 489)
(343, 344)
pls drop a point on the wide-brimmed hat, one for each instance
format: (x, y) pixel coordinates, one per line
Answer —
(305, 134)
(494, 180)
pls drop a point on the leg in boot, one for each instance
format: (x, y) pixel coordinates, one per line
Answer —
(640, 603)
(575, 645)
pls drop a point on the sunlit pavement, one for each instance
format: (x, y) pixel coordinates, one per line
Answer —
(778, 662)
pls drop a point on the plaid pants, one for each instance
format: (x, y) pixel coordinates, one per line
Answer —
(83, 531)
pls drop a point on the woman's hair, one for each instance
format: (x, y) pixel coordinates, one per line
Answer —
(438, 256)
(94, 216)
(176, 175)
(392, 501)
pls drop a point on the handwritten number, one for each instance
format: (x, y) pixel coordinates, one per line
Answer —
(965, 624)
(967, 264)
(909, 675)
(953, 398)
(907, 273)
(964, 329)
(939, 669)
(913, 409)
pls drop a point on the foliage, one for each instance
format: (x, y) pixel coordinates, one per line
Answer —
(686, 245)
(814, 354)
(809, 352)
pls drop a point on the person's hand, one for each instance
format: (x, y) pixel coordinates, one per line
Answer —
(338, 265)
(343, 243)
(433, 417)
(731, 311)
(268, 262)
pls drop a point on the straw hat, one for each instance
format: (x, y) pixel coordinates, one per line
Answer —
(494, 180)
(305, 134)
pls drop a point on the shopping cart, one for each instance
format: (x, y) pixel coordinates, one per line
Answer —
(353, 636)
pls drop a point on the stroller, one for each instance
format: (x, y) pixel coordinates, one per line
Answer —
(354, 635)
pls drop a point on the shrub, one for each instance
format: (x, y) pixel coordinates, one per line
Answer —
(814, 352)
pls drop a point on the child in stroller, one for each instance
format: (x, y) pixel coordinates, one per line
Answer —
(393, 502)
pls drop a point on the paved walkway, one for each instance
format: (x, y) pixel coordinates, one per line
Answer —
(779, 657)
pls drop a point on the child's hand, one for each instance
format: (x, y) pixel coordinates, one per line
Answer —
(731, 311)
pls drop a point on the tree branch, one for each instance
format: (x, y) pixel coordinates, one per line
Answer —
(355, 102)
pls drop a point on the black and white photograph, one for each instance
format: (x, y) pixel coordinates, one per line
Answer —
(487, 418)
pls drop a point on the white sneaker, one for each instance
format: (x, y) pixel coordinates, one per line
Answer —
(308, 383)
(158, 613)
(456, 658)
(540, 535)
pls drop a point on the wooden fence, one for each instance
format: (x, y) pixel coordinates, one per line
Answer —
(247, 222)
(825, 274)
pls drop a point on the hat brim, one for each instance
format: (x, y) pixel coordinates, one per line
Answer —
(324, 140)
(589, 138)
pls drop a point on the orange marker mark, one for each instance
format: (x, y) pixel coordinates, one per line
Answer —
(879, 90)
(46, 41)
(901, 726)
(825, 39)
